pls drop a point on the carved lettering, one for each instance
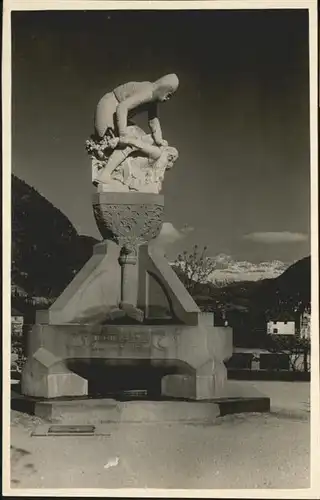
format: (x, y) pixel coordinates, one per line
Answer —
(136, 339)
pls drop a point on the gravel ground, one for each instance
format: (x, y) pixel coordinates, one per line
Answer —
(239, 451)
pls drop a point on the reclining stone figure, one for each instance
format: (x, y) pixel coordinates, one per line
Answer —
(139, 164)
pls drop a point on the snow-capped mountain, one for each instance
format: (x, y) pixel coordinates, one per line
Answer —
(231, 270)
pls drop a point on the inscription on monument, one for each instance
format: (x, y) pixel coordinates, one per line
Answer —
(120, 338)
(135, 339)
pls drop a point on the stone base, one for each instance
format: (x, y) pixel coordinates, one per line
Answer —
(104, 411)
(187, 386)
(45, 375)
(160, 326)
(195, 352)
(230, 406)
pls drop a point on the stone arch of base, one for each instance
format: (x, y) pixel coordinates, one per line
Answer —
(109, 376)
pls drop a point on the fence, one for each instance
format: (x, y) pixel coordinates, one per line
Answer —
(272, 375)
(270, 361)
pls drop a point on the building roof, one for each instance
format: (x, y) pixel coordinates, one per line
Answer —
(281, 316)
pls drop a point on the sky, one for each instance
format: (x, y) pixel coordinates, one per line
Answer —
(240, 118)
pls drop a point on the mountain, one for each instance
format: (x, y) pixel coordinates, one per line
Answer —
(46, 249)
(228, 269)
(285, 292)
(248, 305)
(290, 290)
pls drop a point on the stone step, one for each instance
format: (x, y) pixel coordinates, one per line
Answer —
(92, 411)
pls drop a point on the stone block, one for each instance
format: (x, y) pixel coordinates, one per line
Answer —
(196, 387)
(153, 266)
(66, 384)
(205, 387)
(93, 293)
(45, 375)
(78, 411)
(178, 386)
(206, 319)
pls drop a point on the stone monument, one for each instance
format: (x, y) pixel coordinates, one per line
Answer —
(126, 305)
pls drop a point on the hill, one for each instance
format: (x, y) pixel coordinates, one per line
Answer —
(290, 290)
(46, 249)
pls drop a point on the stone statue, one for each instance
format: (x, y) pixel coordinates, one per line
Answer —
(139, 164)
(131, 98)
(127, 303)
(124, 158)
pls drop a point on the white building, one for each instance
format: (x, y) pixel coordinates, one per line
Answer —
(281, 327)
(286, 325)
(258, 358)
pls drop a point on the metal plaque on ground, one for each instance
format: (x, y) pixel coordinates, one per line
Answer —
(70, 430)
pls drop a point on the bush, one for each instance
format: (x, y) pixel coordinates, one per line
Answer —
(18, 352)
(18, 358)
(295, 347)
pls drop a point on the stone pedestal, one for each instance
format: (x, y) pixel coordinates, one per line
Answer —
(196, 352)
(127, 306)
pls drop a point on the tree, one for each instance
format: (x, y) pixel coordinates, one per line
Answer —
(194, 268)
(298, 346)
(18, 357)
(297, 349)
